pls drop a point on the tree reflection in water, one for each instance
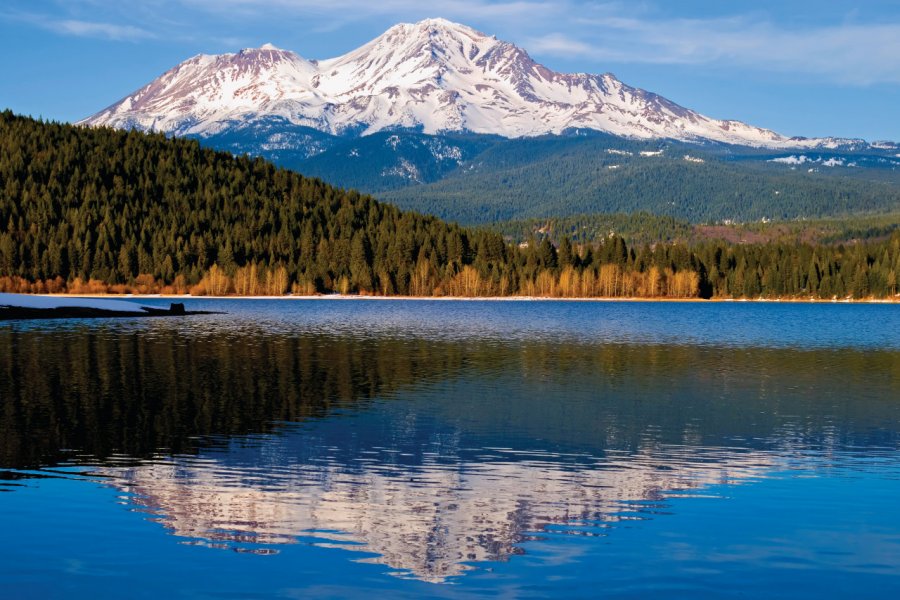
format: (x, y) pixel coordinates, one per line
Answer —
(428, 455)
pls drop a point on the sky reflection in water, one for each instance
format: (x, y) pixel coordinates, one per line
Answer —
(575, 449)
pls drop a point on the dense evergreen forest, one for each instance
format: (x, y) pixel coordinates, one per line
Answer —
(98, 210)
(564, 176)
(646, 228)
(480, 179)
(635, 228)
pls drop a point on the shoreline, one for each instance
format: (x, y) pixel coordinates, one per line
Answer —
(352, 297)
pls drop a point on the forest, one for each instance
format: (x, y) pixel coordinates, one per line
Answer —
(539, 178)
(647, 228)
(104, 211)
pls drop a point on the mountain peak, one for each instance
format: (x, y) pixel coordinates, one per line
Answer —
(433, 26)
(434, 75)
(437, 36)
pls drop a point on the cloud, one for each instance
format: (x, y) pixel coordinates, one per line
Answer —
(596, 32)
(79, 27)
(859, 54)
(353, 11)
(560, 44)
(634, 32)
(216, 20)
(108, 31)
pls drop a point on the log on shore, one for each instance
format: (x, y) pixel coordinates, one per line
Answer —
(16, 313)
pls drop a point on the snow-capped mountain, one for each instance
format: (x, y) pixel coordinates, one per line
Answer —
(434, 76)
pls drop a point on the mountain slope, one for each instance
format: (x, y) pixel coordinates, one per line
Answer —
(480, 179)
(434, 76)
(127, 207)
(569, 175)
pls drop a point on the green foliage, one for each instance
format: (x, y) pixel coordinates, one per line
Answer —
(636, 228)
(564, 176)
(391, 160)
(111, 205)
(479, 179)
(645, 228)
(127, 208)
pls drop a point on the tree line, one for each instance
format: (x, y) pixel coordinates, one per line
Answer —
(99, 210)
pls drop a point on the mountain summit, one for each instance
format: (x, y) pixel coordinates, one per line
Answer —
(435, 76)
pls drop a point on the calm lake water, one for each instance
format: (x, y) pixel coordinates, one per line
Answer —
(309, 448)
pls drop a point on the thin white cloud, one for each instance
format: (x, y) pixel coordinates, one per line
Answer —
(99, 30)
(597, 33)
(561, 45)
(603, 32)
(80, 27)
(229, 19)
(336, 14)
(858, 54)
(480, 9)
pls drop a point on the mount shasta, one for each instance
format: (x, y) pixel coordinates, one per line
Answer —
(435, 76)
(431, 114)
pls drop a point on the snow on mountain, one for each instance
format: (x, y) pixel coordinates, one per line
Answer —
(803, 159)
(435, 76)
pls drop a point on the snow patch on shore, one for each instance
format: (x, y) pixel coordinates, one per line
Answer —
(30, 301)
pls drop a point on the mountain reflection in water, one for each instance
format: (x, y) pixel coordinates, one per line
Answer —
(428, 456)
(427, 521)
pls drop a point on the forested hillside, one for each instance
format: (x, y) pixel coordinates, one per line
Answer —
(636, 228)
(480, 179)
(564, 176)
(645, 228)
(116, 207)
(97, 210)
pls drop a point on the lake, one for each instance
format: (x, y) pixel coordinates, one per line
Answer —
(453, 449)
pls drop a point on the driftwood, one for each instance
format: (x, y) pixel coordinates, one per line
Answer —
(176, 309)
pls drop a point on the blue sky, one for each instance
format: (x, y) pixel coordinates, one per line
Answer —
(800, 67)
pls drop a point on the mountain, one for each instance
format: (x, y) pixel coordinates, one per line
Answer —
(440, 118)
(433, 76)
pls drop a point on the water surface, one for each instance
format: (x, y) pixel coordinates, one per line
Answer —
(298, 448)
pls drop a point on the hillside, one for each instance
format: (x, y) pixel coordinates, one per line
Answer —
(569, 175)
(644, 228)
(96, 210)
(106, 205)
(477, 179)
